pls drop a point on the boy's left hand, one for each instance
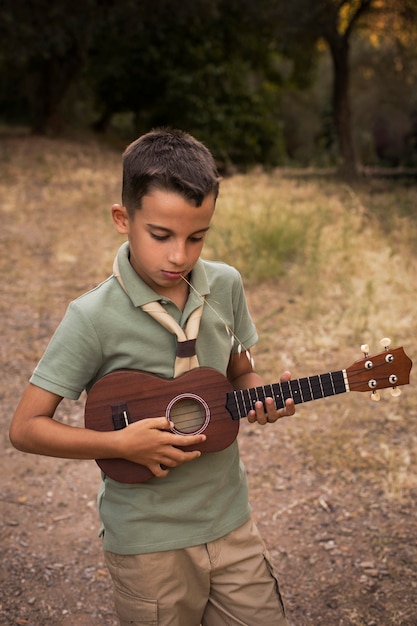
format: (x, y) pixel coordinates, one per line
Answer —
(272, 414)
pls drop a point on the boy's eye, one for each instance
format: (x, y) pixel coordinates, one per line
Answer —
(166, 237)
(159, 237)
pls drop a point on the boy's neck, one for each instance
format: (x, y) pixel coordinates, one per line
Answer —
(178, 294)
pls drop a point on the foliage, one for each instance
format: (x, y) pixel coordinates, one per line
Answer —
(194, 70)
(251, 78)
(384, 96)
(43, 47)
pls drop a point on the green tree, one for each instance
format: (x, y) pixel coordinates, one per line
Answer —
(384, 96)
(189, 65)
(306, 22)
(43, 48)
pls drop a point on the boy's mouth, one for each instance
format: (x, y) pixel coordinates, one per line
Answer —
(172, 275)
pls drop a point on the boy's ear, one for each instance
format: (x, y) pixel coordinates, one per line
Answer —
(120, 219)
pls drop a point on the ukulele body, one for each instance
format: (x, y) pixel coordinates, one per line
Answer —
(195, 402)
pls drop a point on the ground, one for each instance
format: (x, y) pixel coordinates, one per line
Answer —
(344, 552)
(332, 489)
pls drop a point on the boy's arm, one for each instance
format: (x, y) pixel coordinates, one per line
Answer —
(242, 376)
(148, 442)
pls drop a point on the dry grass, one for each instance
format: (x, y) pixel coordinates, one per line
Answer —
(335, 255)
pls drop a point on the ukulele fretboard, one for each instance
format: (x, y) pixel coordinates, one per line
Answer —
(240, 402)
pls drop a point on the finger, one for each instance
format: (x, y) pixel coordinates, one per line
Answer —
(261, 416)
(191, 456)
(159, 423)
(285, 376)
(162, 468)
(158, 470)
(272, 415)
(251, 416)
(289, 407)
(288, 410)
(163, 423)
(184, 441)
(186, 457)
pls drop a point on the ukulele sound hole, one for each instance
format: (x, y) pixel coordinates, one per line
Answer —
(189, 414)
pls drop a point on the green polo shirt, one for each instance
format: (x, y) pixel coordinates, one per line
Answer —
(105, 330)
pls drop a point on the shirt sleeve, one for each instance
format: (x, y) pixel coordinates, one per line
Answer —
(72, 357)
(244, 328)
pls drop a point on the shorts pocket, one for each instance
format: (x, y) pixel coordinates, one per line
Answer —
(131, 607)
(135, 611)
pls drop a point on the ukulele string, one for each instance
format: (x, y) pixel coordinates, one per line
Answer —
(233, 337)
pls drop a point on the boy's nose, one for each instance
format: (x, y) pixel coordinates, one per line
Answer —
(178, 254)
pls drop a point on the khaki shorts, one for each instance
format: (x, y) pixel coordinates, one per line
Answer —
(227, 582)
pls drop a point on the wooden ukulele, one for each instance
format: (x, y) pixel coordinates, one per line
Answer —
(203, 400)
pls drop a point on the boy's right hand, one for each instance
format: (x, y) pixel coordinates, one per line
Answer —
(150, 442)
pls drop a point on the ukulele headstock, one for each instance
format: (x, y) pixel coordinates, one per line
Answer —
(388, 369)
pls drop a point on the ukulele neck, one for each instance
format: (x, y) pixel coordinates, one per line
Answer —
(240, 402)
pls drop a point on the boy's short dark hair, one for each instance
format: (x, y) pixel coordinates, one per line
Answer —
(171, 160)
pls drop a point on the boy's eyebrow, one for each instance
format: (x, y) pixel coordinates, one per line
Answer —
(168, 230)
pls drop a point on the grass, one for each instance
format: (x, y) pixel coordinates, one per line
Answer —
(256, 230)
(324, 245)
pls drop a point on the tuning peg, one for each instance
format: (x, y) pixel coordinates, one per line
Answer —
(365, 349)
(385, 342)
(395, 392)
(375, 396)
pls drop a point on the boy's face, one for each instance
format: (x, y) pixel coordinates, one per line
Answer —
(166, 237)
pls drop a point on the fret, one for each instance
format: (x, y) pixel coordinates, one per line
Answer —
(286, 390)
(339, 382)
(238, 405)
(260, 394)
(242, 408)
(296, 391)
(278, 395)
(316, 388)
(306, 391)
(254, 395)
(311, 388)
(247, 402)
(268, 391)
(327, 385)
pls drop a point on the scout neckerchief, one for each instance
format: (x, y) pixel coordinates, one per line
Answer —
(186, 357)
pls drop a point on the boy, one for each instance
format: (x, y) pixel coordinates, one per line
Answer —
(181, 548)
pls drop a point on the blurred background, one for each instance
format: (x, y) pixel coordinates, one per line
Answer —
(306, 83)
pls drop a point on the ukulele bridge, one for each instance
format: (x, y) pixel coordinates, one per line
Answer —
(120, 415)
(189, 413)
